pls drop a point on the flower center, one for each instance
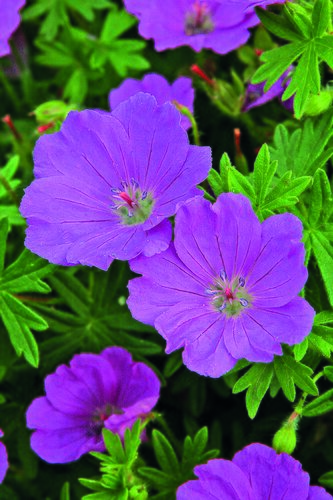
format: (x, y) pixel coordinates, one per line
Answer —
(198, 20)
(229, 296)
(133, 204)
(99, 416)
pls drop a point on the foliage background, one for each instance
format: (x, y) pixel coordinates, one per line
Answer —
(75, 52)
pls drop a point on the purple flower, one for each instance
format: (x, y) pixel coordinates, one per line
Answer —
(227, 289)
(107, 182)
(255, 473)
(9, 21)
(181, 91)
(220, 25)
(107, 390)
(255, 95)
(3, 460)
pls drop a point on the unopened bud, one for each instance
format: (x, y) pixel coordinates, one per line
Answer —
(201, 74)
(284, 441)
(52, 111)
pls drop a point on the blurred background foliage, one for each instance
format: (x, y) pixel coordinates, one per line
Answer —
(69, 54)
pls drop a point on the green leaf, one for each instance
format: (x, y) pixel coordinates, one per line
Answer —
(124, 55)
(309, 44)
(257, 380)
(116, 23)
(321, 337)
(278, 25)
(24, 275)
(307, 71)
(65, 492)
(323, 253)
(215, 182)
(18, 320)
(327, 480)
(3, 242)
(277, 61)
(57, 13)
(290, 372)
(304, 150)
(114, 446)
(328, 370)
(8, 185)
(76, 88)
(263, 174)
(321, 15)
(165, 455)
(320, 405)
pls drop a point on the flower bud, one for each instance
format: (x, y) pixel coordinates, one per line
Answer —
(284, 440)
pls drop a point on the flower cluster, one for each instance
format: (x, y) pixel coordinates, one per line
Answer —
(255, 473)
(180, 92)
(227, 288)
(9, 21)
(96, 391)
(107, 182)
(221, 26)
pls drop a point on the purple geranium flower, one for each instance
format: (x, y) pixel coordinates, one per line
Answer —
(107, 390)
(255, 95)
(9, 21)
(227, 289)
(181, 91)
(255, 473)
(107, 182)
(220, 25)
(3, 460)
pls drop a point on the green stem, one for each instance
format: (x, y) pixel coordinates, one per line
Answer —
(9, 90)
(9, 190)
(195, 129)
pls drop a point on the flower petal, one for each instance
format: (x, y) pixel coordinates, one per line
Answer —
(238, 233)
(271, 475)
(194, 239)
(245, 338)
(208, 355)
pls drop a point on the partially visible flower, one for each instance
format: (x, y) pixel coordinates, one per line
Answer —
(180, 90)
(255, 95)
(107, 183)
(9, 21)
(255, 473)
(96, 391)
(3, 460)
(228, 287)
(220, 25)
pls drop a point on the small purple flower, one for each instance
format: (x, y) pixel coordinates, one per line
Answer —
(3, 460)
(255, 473)
(255, 95)
(220, 25)
(96, 391)
(107, 183)
(227, 289)
(181, 91)
(9, 21)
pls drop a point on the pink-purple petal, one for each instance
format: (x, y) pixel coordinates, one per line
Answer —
(208, 355)
(238, 233)
(193, 241)
(244, 338)
(288, 324)
(271, 475)
(4, 464)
